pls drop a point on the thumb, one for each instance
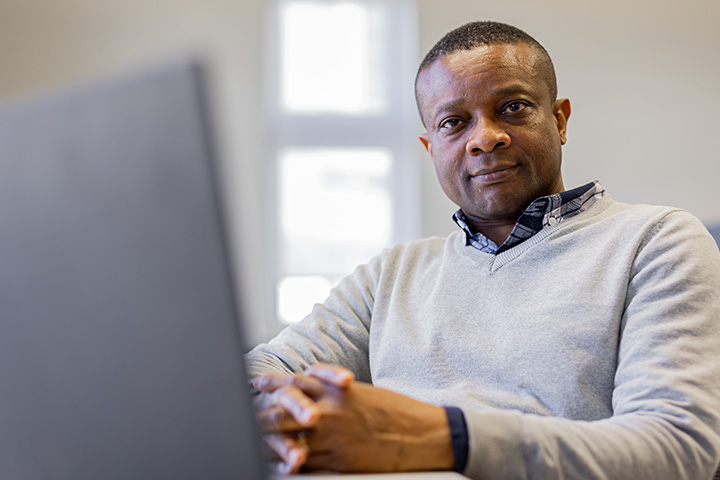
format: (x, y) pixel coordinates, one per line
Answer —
(335, 375)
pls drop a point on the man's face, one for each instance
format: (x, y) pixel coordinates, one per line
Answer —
(493, 132)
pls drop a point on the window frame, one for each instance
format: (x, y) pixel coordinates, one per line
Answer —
(394, 129)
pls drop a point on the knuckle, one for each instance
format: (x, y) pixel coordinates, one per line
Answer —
(270, 420)
(261, 400)
(286, 390)
(280, 394)
(276, 417)
(297, 381)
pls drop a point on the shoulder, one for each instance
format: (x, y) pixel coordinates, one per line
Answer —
(659, 220)
(608, 207)
(664, 240)
(422, 247)
(643, 222)
(414, 255)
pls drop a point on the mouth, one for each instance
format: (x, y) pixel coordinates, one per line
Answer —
(495, 174)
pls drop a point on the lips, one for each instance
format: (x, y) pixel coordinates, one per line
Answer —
(494, 174)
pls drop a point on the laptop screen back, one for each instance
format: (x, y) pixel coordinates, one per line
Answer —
(120, 354)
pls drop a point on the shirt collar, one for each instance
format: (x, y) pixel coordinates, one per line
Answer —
(543, 212)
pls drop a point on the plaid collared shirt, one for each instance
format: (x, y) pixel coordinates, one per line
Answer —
(542, 212)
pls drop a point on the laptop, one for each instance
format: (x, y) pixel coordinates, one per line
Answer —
(715, 232)
(120, 343)
(120, 353)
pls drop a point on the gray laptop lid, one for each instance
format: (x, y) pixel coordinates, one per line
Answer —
(120, 355)
(715, 232)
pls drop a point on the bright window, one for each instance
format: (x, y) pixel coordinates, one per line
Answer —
(329, 58)
(343, 122)
(348, 187)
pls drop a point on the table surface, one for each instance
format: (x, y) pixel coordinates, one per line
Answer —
(374, 476)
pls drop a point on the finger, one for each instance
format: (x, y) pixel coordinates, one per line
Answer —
(264, 401)
(336, 375)
(276, 420)
(289, 408)
(281, 469)
(293, 402)
(292, 453)
(311, 388)
(302, 408)
(269, 383)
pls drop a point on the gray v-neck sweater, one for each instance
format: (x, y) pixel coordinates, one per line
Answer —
(591, 350)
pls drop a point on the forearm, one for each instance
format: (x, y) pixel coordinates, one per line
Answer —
(505, 444)
(321, 338)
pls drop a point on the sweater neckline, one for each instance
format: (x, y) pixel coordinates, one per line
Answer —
(493, 262)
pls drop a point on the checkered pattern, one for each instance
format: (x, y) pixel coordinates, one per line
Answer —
(543, 212)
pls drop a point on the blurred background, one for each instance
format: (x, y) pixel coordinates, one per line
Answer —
(316, 123)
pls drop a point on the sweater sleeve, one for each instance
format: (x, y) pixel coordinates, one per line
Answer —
(666, 397)
(335, 332)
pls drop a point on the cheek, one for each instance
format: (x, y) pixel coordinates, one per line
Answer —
(447, 167)
(448, 158)
(441, 171)
(448, 179)
(546, 148)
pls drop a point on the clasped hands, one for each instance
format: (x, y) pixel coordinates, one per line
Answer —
(323, 419)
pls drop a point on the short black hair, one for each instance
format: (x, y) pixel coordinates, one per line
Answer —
(474, 34)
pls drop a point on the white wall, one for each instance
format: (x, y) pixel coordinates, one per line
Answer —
(642, 75)
(46, 44)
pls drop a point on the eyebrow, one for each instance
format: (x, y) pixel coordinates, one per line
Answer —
(452, 104)
(512, 89)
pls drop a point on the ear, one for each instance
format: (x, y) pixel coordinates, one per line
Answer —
(426, 143)
(561, 112)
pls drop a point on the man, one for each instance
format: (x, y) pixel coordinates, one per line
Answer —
(556, 334)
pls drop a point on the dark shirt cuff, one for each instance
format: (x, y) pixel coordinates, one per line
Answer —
(459, 433)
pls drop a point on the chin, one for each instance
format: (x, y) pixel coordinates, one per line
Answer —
(506, 208)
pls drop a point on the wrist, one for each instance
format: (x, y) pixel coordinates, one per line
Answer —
(428, 445)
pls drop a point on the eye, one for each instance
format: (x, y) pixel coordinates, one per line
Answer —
(450, 123)
(514, 107)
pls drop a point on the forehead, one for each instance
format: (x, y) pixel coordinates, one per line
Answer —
(486, 70)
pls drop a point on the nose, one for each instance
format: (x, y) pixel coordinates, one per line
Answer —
(486, 136)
